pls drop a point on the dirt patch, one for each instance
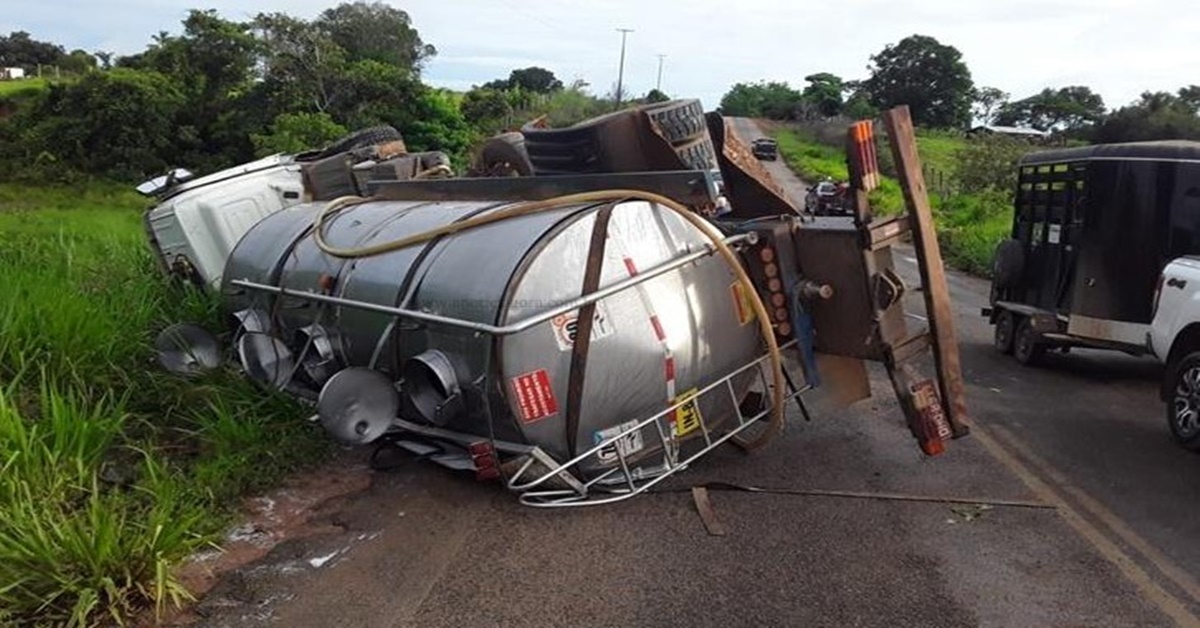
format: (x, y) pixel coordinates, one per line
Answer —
(294, 511)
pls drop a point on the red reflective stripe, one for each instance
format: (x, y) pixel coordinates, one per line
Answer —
(658, 328)
(669, 363)
(630, 267)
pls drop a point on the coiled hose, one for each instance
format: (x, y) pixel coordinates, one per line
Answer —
(774, 423)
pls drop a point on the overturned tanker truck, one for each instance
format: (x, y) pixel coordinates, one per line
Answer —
(639, 295)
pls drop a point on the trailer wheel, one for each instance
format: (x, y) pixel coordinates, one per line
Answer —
(1183, 405)
(1028, 347)
(1006, 325)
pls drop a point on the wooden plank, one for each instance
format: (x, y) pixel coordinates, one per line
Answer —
(933, 273)
(708, 515)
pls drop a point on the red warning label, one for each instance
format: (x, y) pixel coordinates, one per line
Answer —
(534, 395)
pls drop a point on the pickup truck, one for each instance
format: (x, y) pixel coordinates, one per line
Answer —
(1175, 339)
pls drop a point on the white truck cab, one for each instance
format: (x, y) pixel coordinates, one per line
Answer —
(222, 207)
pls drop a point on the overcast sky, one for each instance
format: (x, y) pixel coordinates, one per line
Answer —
(1120, 48)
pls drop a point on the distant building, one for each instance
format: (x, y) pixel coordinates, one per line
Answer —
(11, 74)
(1011, 131)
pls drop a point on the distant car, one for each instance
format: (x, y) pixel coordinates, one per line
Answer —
(765, 148)
(827, 199)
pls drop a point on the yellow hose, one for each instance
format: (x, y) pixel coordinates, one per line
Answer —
(774, 423)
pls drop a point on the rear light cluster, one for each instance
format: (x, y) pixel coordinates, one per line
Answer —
(776, 299)
(487, 467)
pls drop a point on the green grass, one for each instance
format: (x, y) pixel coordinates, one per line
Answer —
(939, 149)
(110, 470)
(22, 87)
(969, 225)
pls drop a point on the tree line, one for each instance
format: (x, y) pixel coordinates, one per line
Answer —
(222, 92)
(934, 81)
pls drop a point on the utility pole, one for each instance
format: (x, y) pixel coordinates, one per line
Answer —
(621, 70)
(658, 85)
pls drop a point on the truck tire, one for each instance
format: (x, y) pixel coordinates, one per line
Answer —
(369, 136)
(1005, 332)
(1008, 263)
(698, 154)
(1183, 401)
(577, 149)
(679, 121)
(504, 155)
(1027, 346)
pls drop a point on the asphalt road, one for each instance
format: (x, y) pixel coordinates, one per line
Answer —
(1085, 434)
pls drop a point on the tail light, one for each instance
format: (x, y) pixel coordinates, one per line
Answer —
(484, 456)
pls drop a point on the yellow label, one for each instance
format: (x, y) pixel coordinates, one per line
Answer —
(741, 303)
(687, 416)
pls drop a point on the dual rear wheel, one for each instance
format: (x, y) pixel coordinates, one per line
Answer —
(1014, 334)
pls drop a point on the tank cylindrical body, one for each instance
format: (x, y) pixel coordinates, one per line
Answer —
(650, 345)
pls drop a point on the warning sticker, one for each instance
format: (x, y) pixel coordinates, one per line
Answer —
(741, 303)
(566, 327)
(626, 445)
(687, 416)
(534, 395)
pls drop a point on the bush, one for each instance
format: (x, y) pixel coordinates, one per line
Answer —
(120, 124)
(989, 163)
(293, 133)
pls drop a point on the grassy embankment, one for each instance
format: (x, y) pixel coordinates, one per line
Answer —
(969, 224)
(110, 470)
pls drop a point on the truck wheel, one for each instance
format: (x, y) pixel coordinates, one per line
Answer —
(365, 137)
(1027, 346)
(1183, 405)
(504, 155)
(680, 121)
(1006, 327)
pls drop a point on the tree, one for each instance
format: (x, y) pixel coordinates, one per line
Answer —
(655, 96)
(762, 100)
(1064, 109)
(297, 132)
(213, 64)
(20, 50)
(120, 123)
(302, 63)
(485, 109)
(824, 93)
(987, 100)
(534, 79)
(929, 77)
(374, 31)
(1155, 116)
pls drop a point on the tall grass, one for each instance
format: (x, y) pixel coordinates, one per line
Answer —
(111, 470)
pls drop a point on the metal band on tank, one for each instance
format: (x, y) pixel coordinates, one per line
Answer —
(583, 337)
(510, 289)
